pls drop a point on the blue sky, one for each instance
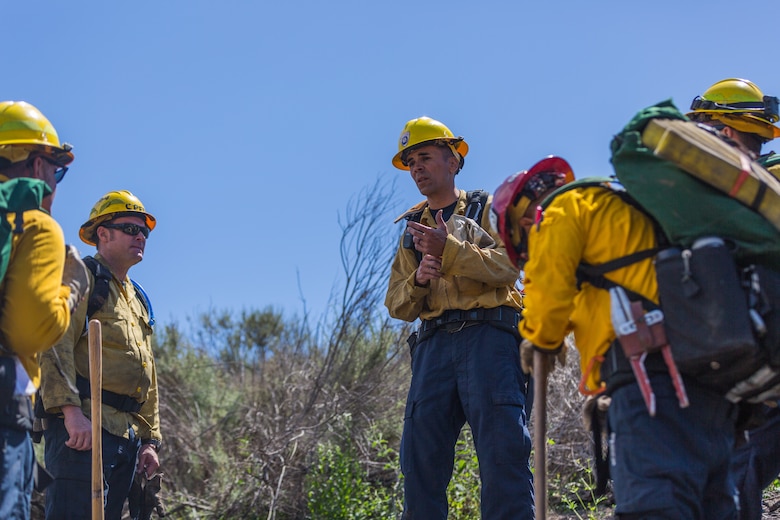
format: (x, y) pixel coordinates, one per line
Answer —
(246, 127)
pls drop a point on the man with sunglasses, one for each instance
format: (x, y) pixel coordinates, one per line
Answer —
(40, 287)
(741, 111)
(118, 226)
(454, 275)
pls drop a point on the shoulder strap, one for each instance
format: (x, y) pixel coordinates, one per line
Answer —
(594, 274)
(477, 200)
(610, 183)
(145, 301)
(99, 293)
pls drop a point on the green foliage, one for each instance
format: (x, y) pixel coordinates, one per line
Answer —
(342, 484)
(337, 488)
(576, 493)
(464, 488)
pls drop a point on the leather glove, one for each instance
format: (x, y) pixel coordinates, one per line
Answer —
(144, 498)
(527, 356)
(595, 405)
(75, 276)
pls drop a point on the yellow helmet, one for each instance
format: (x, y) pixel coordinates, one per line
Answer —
(112, 205)
(24, 129)
(424, 130)
(740, 104)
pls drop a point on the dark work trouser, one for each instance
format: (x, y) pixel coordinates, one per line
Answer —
(472, 375)
(756, 464)
(674, 465)
(69, 496)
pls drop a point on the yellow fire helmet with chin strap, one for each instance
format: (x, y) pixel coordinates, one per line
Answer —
(740, 104)
(112, 205)
(24, 129)
(424, 130)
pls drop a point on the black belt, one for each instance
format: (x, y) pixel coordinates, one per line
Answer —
(123, 403)
(505, 315)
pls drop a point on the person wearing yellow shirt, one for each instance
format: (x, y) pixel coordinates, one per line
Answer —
(667, 464)
(118, 226)
(42, 284)
(454, 276)
(740, 111)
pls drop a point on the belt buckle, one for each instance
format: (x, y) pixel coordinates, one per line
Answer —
(456, 326)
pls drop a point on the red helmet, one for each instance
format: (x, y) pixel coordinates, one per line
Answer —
(512, 199)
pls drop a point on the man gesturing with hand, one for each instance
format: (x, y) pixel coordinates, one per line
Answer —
(454, 275)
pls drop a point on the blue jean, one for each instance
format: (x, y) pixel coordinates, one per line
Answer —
(17, 460)
(674, 465)
(472, 375)
(756, 464)
(68, 497)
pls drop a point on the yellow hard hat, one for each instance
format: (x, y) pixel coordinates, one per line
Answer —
(110, 206)
(740, 104)
(24, 129)
(424, 130)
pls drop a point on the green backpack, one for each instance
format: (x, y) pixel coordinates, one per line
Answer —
(17, 196)
(685, 207)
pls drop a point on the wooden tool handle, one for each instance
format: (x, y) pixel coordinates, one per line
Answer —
(96, 385)
(540, 434)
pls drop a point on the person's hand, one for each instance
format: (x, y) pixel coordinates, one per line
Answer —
(429, 240)
(79, 428)
(527, 356)
(148, 462)
(75, 276)
(429, 269)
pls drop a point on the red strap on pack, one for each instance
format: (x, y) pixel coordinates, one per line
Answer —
(743, 175)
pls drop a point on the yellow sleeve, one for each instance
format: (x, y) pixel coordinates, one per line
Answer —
(555, 250)
(58, 366)
(404, 299)
(35, 310)
(149, 426)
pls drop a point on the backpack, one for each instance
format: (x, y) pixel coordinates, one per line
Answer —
(17, 196)
(690, 204)
(722, 321)
(719, 275)
(475, 207)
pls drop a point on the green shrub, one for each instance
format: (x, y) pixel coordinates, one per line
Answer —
(337, 488)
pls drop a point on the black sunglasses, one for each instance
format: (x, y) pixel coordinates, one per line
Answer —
(129, 229)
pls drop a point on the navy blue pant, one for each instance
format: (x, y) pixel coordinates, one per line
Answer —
(69, 496)
(16, 473)
(472, 375)
(756, 464)
(675, 465)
